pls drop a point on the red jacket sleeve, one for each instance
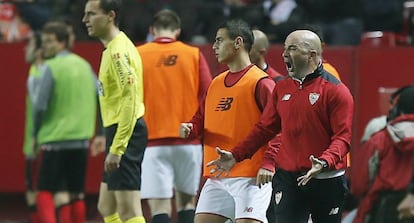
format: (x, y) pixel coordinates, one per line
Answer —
(198, 121)
(270, 153)
(205, 80)
(205, 77)
(341, 114)
(260, 134)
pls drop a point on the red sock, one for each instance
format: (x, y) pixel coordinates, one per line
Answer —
(46, 207)
(64, 213)
(33, 215)
(34, 218)
(78, 211)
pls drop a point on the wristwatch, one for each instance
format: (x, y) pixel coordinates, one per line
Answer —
(324, 164)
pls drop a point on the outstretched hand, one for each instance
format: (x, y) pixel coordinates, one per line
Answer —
(224, 163)
(317, 167)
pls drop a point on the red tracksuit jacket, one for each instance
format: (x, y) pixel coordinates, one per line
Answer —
(395, 154)
(315, 118)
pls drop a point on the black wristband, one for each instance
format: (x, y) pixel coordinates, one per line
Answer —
(325, 165)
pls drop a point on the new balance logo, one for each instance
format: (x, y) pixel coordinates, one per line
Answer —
(224, 104)
(170, 60)
(248, 209)
(334, 211)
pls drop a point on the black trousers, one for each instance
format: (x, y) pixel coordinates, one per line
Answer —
(322, 198)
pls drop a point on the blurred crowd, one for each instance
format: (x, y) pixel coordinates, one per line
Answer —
(342, 21)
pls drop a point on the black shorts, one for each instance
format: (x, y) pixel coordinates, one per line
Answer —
(31, 170)
(63, 170)
(128, 175)
(323, 198)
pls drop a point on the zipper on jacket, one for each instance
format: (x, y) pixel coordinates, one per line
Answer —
(300, 83)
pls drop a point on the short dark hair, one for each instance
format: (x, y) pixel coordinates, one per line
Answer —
(405, 101)
(112, 5)
(59, 29)
(238, 27)
(166, 19)
(402, 102)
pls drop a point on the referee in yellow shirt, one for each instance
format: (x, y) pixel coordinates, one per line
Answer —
(122, 108)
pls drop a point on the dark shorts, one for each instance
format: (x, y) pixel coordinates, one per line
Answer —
(322, 198)
(63, 170)
(128, 175)
(31, 173)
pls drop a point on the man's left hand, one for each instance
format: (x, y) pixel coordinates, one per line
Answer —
(317, 167)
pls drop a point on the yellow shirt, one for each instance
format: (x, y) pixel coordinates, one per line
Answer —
(121, 90)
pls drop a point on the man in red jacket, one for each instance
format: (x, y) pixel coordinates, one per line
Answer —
(314, 110)
(385, 164)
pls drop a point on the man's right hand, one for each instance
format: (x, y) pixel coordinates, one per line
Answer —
(185, 130)
(112, 162)
(223, 164)
(98, 145)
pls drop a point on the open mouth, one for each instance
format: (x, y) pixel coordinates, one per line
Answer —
(289, 66)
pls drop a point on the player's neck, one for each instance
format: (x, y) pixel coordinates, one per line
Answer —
(112, 33)
(240, 62)
(165, 33)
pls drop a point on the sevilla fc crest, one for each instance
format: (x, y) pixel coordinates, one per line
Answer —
(313, 98)
(278, 197)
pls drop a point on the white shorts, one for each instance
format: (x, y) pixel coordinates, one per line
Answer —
(165, 168)
(235, 198)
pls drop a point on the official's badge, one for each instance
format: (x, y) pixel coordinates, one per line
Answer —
(100, 88)
(278, 197)
(313, 97)
(131, 79)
